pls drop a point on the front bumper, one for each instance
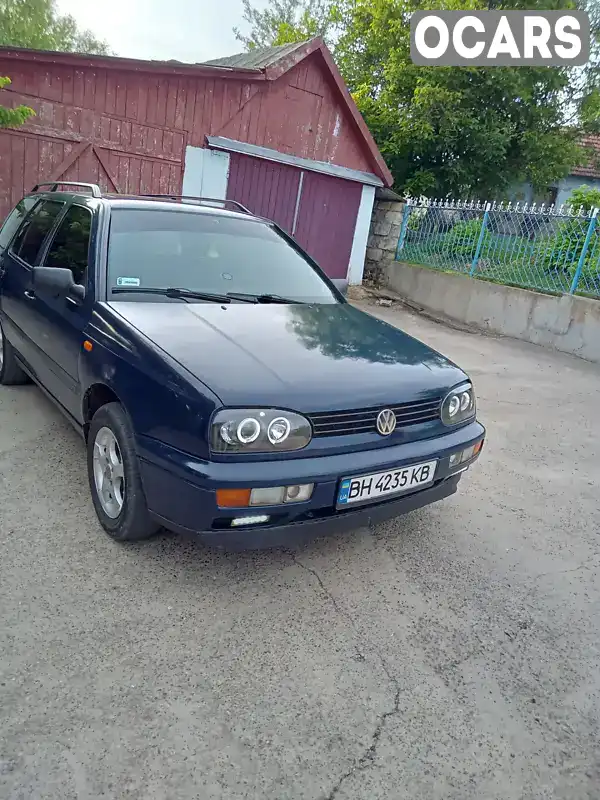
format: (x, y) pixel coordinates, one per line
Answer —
(180, 489)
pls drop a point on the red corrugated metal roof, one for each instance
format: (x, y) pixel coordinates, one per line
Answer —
(259, 65)
(592, 168)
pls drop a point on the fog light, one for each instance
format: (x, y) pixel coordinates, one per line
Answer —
(298, 494)
(467, 454)
(268, 496)
(276, 495)
(249, 520)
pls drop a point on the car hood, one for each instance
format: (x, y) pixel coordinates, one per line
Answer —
(304, 357)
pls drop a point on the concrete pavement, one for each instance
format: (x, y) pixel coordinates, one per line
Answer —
(448, 655)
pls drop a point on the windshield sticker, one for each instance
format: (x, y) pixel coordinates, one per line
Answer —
(128, 281)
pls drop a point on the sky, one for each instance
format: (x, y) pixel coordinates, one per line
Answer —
(187, 30)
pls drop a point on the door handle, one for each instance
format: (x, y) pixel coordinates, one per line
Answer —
(29, 295)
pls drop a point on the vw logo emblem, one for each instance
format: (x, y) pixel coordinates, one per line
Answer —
(386, 422)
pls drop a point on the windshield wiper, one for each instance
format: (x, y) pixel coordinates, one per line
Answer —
(173, 292)
(262, 298)
(190, 294)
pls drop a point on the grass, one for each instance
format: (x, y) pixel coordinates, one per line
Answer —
(508, 260)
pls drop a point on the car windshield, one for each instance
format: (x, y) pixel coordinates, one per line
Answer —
(211, 253)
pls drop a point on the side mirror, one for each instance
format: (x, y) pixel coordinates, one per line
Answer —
(57, 282)
(341, 284)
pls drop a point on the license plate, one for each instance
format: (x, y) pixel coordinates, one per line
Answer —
(381, 484)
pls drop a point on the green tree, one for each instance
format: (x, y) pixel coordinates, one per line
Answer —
(285, 22)
(562, 252)
(457, 131)
(37, 24)
(449, 131)
(585, 196)
(13, 117)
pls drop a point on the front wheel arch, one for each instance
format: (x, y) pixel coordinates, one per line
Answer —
(96, 396)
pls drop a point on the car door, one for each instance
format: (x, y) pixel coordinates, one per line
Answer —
(62, 318)
(7, 233)
(20, 317)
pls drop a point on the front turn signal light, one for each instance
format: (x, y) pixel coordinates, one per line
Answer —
(233, 498)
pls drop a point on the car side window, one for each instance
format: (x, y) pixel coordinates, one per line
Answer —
(14, 220)
(71, 243)
(29, 240)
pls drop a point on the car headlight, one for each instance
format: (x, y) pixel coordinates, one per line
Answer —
(458, 405)
(258, 430)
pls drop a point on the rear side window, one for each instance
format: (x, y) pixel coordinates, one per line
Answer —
(69, 249)
(14, 220)
(30, 238)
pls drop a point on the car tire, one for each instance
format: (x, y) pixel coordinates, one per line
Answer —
(114, 476)
(11, 373)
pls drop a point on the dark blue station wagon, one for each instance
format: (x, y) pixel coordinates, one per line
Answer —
(223, 384)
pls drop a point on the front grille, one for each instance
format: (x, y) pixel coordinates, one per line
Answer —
(363, 420)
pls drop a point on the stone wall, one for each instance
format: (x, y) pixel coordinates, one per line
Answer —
(383, 240)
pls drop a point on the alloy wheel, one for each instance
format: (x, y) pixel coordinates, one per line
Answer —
(109, 475)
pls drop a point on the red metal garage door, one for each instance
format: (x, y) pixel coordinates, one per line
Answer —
(266, 188)
(327, 219)
(318, 210)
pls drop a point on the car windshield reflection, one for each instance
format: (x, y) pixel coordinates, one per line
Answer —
(221, 254)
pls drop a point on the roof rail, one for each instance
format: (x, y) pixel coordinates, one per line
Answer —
(207, 200)
(93, 187)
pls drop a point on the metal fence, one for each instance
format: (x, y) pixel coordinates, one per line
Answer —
(552, 249)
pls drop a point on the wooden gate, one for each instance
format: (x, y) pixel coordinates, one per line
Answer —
(120, 156)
